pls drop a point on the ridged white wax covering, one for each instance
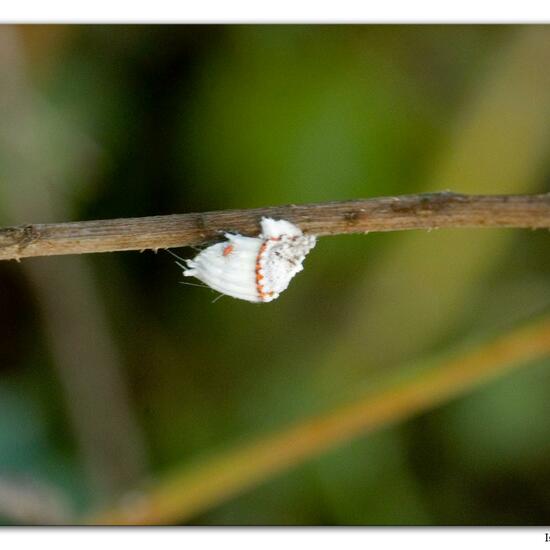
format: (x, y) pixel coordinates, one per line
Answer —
(256, 269)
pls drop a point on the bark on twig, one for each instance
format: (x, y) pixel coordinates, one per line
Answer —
(421, 211)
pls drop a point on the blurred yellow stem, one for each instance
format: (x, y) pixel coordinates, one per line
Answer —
(188, 491)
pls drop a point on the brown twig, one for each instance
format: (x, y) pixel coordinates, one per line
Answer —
(421, 211)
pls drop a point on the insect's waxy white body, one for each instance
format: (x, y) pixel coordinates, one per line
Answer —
(256, 269)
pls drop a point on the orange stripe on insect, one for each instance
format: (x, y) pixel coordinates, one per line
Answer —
(259, 276)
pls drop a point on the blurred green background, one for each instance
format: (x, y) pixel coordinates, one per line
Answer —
(111, 372)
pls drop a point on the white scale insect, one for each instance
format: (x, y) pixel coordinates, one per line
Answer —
(256, 269)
